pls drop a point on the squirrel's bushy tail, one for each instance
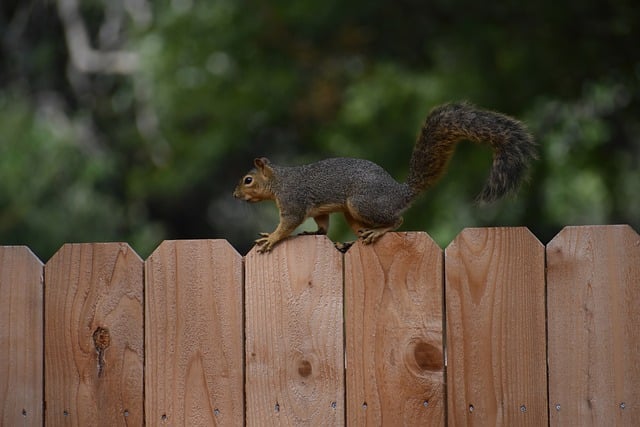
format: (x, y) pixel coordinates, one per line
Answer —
(448, 124)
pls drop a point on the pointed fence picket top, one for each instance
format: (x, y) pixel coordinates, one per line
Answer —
(495, 311)
(21, 332)
(94, 336)
(394, 346)
(294, 334)
(594, 326)
(193, 334)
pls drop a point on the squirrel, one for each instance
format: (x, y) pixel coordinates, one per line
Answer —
(370, 199)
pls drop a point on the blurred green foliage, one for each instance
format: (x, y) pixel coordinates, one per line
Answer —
(154, 152)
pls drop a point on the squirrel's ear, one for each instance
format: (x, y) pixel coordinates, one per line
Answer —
(263, 165)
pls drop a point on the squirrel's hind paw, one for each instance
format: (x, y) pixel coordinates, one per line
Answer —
(371, 235)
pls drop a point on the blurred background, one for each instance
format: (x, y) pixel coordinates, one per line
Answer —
(132, 120)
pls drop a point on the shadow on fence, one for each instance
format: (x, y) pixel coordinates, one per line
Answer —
(497, 329)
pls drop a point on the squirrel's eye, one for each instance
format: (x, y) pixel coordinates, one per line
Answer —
(248, 180)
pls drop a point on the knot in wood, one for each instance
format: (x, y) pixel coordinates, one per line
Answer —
(427, 356)
(304, 368)
(101, 338)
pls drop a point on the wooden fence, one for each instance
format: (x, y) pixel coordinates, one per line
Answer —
(199, 335)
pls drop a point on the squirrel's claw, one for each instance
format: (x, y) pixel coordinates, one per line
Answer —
(264, 243)
(263, 247)
(370, 235)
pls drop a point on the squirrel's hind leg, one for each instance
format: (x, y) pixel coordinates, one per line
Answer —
(367, 232)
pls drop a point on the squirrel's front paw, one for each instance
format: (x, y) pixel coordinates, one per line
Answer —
(264, 243)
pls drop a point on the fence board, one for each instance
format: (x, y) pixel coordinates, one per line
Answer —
(495, 310)
(91, 316)
(93, 342)
(21, 344)
(594, 326)
(394, 354)
(294, 334)
(193, 340)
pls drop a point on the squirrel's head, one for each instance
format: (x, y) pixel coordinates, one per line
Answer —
(255, 186)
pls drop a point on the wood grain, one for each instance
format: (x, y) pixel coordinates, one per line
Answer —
(193, 334)
(93, 301)
(294, 334)
(394, 353)
(496, 346)
(594, 326)
(21, 343)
